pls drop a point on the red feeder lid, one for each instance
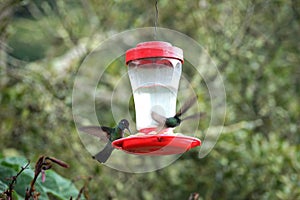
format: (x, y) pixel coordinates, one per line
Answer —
(154, 49)
(156, 145)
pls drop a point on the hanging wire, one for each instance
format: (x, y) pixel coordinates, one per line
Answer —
(155, 21)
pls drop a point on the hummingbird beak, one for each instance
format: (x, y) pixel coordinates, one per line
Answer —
(129, 131)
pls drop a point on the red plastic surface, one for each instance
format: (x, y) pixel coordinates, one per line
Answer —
(160, 144)
(154, 49)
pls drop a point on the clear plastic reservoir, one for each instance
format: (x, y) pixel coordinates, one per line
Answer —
(154, 82)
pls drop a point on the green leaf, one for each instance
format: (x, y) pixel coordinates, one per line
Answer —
(14, 162)
(3, 186)
(58, 186)
(16, 196)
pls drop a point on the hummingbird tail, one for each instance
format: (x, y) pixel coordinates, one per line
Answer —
(103, 155)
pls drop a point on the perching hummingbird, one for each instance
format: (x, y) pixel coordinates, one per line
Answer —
(172, 122)
(106, 134)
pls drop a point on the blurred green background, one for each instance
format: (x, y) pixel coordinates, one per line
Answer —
(254, 43)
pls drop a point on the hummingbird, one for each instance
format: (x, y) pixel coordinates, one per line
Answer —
(107, 134)
(172, 122)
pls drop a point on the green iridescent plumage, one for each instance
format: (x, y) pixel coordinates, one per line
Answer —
(172, 122)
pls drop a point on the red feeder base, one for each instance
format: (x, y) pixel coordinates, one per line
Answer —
(156, 145)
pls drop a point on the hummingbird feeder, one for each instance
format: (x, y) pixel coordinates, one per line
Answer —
(154, 70)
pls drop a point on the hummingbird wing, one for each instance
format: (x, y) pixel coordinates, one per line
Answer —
(102, 132)
(195, 116)
(186, 106)
(161, 120)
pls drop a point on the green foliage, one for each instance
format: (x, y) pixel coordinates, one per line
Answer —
(255, 45)
(56, 185)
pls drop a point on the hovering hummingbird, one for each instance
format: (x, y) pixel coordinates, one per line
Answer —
(172, 122)
(107, 134)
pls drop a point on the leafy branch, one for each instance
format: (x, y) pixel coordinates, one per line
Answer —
(11, 186)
